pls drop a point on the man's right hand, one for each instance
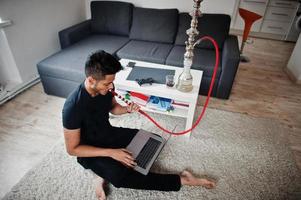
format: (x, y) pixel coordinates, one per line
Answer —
(123, 156)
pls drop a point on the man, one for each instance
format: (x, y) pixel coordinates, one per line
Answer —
(100, 146)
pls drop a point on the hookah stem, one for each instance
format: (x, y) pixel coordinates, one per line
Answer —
(206, 102)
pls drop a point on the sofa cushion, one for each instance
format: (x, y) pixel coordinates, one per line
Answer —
(204, 59)
(154, 25)
(205, 85)
(108, 17)
(214, 25)
(69, 63)
(145, 51)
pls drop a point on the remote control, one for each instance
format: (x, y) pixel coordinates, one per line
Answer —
(144, 81)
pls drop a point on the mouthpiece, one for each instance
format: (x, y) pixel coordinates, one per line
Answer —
(120, 97)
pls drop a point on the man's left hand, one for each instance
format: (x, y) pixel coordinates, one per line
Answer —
(132, 108)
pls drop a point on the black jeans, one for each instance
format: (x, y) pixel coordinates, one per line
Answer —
(152, 181)
(121, 176)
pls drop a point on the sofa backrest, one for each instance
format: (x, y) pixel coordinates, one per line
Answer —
(154, 25)
(111, 17)
(214, 25)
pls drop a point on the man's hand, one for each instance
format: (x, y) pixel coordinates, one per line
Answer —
(123, 156)
(132, 108)
(118, 109)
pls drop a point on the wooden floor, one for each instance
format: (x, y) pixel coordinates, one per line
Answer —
(30, 124)
(263, 89)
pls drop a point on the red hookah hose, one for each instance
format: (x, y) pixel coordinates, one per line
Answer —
(207, 99)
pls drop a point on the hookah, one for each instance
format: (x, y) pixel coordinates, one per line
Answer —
(185, 79)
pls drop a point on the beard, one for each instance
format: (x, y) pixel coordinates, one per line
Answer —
(97, 92)
(94, 89)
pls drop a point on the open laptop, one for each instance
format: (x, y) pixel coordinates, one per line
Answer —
(145, 148)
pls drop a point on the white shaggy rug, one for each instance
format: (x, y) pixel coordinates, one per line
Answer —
(249, 158)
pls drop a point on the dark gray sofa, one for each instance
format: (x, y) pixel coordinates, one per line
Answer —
(153, 35)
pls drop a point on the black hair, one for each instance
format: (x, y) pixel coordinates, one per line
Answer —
(101, 63)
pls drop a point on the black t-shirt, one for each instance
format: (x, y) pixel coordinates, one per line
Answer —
(90, 114)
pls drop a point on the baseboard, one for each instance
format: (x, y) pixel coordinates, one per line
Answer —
(291, 76)
(7, 95)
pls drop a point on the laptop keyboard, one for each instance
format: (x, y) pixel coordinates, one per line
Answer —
(147, 152)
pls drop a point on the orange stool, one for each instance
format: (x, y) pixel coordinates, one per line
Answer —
(249, 18)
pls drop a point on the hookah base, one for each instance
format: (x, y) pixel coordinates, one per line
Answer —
(184, 88)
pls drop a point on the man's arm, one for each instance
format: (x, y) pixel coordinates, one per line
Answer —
(118, 109)
(74, 148)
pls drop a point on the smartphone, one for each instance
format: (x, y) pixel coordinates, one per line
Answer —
(131, 64)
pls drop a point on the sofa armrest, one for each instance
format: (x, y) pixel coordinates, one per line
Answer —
(230, 61)
(74, 33)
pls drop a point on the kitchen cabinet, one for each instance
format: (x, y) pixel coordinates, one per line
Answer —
(277, 17)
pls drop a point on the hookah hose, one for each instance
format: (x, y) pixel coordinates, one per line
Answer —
(207, 99)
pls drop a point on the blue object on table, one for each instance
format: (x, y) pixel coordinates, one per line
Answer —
(159, 103)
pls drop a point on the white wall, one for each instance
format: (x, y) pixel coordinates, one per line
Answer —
(8, 69)
(208, 6)
(34, 32)
(294, 64)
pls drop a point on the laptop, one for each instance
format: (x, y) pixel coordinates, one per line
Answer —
(145, 148)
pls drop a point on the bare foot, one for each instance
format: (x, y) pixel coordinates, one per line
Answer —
(99, 188)
(188, 178)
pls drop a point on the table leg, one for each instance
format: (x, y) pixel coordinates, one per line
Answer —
(190, 115)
